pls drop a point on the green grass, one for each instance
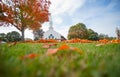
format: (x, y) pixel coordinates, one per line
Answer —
(96, 61)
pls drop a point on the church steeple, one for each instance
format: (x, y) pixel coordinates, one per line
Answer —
(52, 34)
(50, 22)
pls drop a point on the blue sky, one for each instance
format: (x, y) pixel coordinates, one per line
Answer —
(103, 16)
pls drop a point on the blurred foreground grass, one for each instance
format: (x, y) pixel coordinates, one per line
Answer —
(96, 61)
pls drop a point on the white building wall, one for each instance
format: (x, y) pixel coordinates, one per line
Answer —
(54, 33)
(51, 32)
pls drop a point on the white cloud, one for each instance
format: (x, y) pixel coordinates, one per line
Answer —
(105, 24)
(65, 6)
(58, 20)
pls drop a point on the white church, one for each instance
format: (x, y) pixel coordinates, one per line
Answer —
(50, 34)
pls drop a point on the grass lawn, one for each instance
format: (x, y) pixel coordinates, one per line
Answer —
(96, 61)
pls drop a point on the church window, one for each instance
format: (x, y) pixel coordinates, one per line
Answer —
(51, 36)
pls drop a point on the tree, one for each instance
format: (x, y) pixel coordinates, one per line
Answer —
(118, 33)
(78, 31)
(13, 36)
(38, 34)
(92, 35)
(103, 36)
(24, 14)
(3, 36)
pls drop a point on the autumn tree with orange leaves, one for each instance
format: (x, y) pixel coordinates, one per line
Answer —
(24, 14)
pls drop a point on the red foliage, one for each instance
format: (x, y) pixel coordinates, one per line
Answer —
(103, 41)
(64, 47)
(47, 41)
(115, 41)
(79, 41)
(29, 56)
(24, 14)
(32, 55)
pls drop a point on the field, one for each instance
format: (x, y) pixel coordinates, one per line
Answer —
(31, 60)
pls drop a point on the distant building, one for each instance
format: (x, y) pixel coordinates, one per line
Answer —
(52, 34)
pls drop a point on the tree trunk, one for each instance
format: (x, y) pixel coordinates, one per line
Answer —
(22, 31)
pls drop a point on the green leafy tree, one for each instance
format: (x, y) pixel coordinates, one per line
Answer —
(13, 36)
(112, 38)
(78, 31)
(3, 36)
(92, 35)
(38, 34)
(103, 36)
